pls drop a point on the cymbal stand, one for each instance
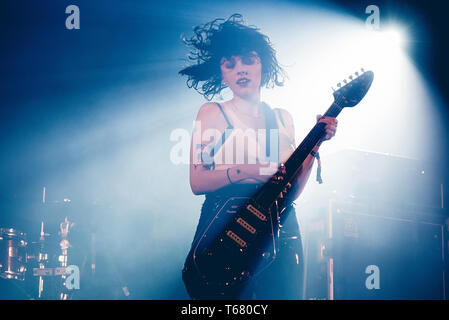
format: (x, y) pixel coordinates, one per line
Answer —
(42, 258)
(64, 244)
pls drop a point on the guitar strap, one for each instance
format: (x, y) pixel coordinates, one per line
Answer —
(270, 124)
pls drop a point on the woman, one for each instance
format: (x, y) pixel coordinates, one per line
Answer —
(232, 151)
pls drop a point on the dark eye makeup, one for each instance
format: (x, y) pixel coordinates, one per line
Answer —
(247, 59)
(229, 63)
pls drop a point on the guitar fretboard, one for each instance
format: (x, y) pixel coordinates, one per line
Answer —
(268, 194)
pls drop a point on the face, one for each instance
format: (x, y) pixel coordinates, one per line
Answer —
(242, 74)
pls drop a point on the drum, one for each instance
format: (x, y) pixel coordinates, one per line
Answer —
(13, 257)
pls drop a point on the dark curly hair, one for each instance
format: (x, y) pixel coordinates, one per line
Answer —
(225, 38)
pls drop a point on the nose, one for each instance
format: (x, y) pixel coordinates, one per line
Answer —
(241, 68)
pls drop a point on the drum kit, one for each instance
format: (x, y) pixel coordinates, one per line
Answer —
(45, 256)
(31, 266)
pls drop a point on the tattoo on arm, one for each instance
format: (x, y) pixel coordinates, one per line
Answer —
(203, 156)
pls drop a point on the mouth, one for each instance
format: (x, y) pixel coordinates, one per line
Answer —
(243, 81)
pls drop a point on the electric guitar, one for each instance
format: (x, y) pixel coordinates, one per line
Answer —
(240, 240)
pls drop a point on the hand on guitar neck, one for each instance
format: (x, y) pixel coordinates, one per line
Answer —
(330, 128)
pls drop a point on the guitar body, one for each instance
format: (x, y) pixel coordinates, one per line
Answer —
(240, 240)
(238, 243)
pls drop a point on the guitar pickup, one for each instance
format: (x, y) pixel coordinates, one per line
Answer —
(256, 212)
(236, 238)
(246, 225)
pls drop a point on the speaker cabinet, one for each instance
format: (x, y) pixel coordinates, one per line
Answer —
(358, 251)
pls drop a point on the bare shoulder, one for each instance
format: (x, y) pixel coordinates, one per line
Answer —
(286, 117)
(287, 120)
(210, 116)
(207, 109)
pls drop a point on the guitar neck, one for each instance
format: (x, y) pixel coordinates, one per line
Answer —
(268, 194)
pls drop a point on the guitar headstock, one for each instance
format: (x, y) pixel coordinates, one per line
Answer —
(351, 93)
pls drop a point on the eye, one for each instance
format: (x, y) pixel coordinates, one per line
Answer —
(228, 64)
(248, 60)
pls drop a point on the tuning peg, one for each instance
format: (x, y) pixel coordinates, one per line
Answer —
(339, 85)
(344, 81)
(350, 77)
(356, 73)
(363, 70)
